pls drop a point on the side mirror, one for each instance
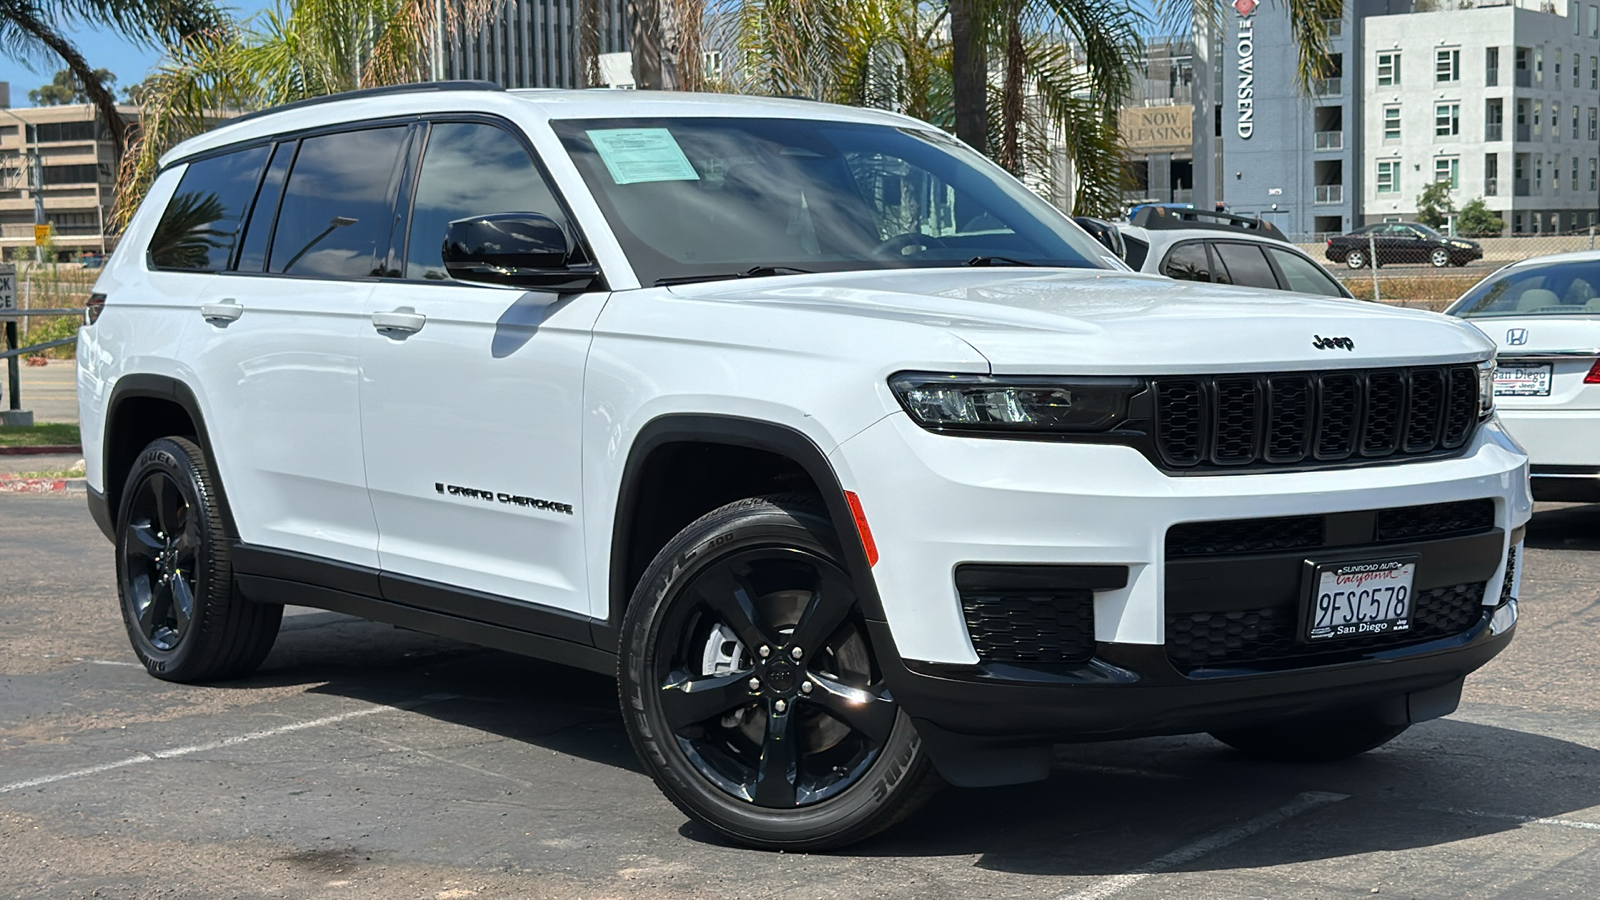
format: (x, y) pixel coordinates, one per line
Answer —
(1104, 232)
(519, 249)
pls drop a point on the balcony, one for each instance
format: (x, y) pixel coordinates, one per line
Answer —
(1493, 131)
(1491, 187)
(1329, 193)
(1328, 140)
(1524, 133)
(1523, 77)
(1519, 187)
(1491, 78)
(1328, 87)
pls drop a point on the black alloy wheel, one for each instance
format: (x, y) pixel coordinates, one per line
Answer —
(184, 614)
(751, 690)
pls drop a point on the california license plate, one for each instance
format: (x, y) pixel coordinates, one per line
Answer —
(1522, 381)
(1360, 598)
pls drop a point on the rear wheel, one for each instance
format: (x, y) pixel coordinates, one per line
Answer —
(1355, 259)
(1309, 741)
(185, 618)
(750, 688)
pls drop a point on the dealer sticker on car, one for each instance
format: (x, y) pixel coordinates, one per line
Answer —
(1522, 381)
(1360, 598)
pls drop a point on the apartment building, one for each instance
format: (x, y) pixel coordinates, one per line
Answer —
(1500, 101)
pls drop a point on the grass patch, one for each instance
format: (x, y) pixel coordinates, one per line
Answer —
(43, 435)
(1429, 291)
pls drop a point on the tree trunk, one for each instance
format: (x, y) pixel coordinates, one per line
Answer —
(589, 44)
(102, 99)
(646, 43)
(970, 73)
(1009, 155)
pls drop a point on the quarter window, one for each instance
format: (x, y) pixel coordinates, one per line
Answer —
(1302, 274)
(470, 169)
(1187, 262)
(198, 229)
(1243, 264)
(338, 206)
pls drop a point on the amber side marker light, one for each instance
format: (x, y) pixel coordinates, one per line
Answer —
(867, 543)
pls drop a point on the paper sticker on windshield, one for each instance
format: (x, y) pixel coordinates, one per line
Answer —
(635, 155)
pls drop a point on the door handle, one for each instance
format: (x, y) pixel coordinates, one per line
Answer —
(221, 313)
(399, 323)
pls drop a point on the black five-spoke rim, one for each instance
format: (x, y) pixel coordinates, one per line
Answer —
(160, 551)
(767, 681)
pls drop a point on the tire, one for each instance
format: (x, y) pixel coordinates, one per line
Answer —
(815, 753)
(185, 617)
(1355, 259)
(1439, 258)
(1317, 741)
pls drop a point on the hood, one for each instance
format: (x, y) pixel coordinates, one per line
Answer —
(1092, 321)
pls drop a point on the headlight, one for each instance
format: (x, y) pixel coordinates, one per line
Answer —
(1019, 403)
(1485, 389)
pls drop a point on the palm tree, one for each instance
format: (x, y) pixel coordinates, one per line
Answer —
(306, 48)
(33, 30)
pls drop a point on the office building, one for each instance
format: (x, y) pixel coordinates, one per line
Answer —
(76, 165)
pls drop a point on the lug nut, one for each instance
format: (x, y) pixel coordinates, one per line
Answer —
(755, 684)
(765, 651)
(805, 687)
(797, 653)
(780, 706)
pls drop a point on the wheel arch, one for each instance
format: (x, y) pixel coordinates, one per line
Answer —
(142, 408)
(677, 443)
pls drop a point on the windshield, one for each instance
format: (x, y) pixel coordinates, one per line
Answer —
(1550, 290)
(713, 198)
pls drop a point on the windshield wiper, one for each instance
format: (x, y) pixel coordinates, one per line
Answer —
(997, 261)
(752, 272)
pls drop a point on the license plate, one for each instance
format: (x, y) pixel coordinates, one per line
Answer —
(1522, 381)
(1358, 599)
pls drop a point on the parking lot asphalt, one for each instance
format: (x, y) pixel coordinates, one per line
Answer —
(365, 761)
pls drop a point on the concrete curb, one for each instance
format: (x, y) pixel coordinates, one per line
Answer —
(43, 486)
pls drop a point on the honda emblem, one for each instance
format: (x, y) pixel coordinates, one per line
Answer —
(1516, 337)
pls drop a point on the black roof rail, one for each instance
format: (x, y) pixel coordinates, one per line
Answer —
(420, 87)
(1160, 218)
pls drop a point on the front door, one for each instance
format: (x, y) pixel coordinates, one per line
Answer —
(471, 402)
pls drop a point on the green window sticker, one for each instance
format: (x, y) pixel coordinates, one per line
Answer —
(634, 155)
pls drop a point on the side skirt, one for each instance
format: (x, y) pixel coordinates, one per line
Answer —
(276, 576)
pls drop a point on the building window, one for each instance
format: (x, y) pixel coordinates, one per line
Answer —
(1593, 172)
(1448, 170)
(1491, 66)
(1538, 114)
(1447, 119)
(1555, 174)
(1446, 66)
(1389, 176)
(712, 59)
(1491, 174)
(1391, 123)
(1574, 121)
(1594, 125)
(1594, 21)
(1577, 63)
(1574, 181)
(1555, 121)
(1538, 173)
(1538, 66)
(1388, 69)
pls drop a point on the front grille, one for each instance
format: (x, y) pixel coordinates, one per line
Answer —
(1314, 418)
(1270, 634)
(1401, 523)
(1031, 627)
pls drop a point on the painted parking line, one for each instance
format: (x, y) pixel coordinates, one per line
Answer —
(1513, 817)
(177, 752)
(1115, 884)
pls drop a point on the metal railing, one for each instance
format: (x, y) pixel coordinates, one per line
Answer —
(1328, 87)
(1329, 193)
(1519, 187)
(1524, 133)
(1328, 140)
(1492, 131)
(12, 354)
(1524, 78)
(1491, 186)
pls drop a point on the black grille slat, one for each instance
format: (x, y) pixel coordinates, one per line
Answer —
(1384, 415)
(1031, 626)
(1189, 539)
(1313, 418)
(1270, 634)
(1454, 519)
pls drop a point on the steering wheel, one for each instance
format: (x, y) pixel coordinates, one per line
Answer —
(901, 245)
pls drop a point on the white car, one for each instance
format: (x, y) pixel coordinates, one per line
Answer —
(1544, 316)
(851, 458)
(1221, 248)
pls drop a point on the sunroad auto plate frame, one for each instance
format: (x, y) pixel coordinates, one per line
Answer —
(1310, 581)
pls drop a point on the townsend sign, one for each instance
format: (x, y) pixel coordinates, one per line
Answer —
(1245, 48)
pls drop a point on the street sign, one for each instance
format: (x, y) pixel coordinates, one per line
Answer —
(8, 286)
(41, 235)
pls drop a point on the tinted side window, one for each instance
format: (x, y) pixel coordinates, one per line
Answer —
(1245, 264)
(337, 209)
(198, 229)
(470, 169)
(1187, 262)
(1303, 275)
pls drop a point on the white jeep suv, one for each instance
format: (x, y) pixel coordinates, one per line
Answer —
(852, 459)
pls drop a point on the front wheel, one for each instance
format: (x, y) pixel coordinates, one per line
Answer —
(750, 688)
(1440, 258)
(1309, 741)
(1355, 259)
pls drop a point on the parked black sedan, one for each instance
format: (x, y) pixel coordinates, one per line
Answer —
(1401, 242)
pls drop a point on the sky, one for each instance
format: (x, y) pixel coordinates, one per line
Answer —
(104, 49)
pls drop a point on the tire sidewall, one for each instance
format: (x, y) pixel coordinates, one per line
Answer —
(857, 811)
(1439, 258)
(1355, 259)
(171, 458)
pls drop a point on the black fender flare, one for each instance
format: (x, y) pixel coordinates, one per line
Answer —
(740, 432)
